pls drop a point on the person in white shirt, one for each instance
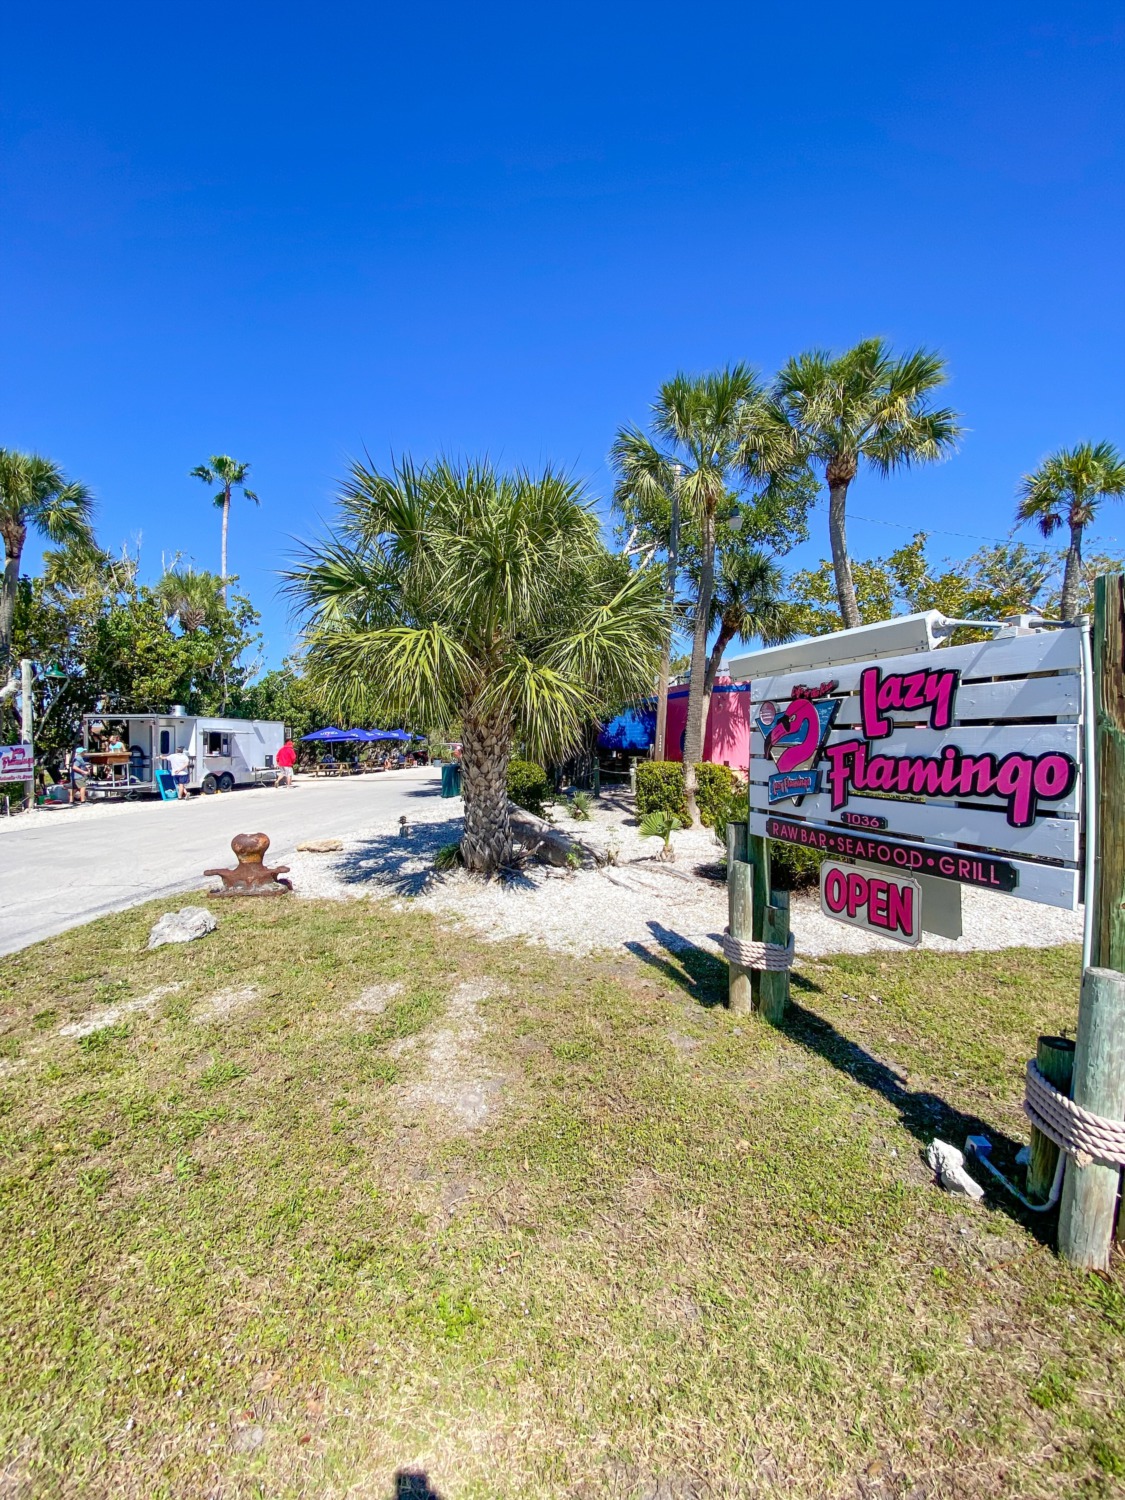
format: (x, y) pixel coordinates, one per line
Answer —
(178, 765)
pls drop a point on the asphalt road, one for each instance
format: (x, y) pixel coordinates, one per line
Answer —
(61, 868)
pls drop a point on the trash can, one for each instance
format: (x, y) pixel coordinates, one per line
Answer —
(451, 780)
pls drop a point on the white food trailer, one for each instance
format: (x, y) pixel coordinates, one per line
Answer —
(222, 753)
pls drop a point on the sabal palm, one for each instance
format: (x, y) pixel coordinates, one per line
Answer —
(229, 475)
(454, 593)
(746, 605)
(1066, 490)
(191, 598)
(863, 404)
(35, 495)
(709, 431)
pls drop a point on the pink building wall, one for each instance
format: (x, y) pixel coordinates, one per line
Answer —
(727, 740)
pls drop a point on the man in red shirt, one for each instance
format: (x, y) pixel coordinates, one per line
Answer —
(286, 760)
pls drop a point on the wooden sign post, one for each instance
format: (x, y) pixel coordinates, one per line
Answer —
(1091, 1194)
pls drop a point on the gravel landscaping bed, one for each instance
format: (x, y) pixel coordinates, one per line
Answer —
(636, 902)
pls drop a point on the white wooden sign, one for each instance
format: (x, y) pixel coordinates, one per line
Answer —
(877, 901)
(961, 763)
(17, 763)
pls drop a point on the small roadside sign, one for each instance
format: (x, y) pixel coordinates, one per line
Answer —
(17, 763)
(877, 901)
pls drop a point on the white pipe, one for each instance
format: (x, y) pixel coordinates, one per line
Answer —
(981, 1159)
(1090, 790)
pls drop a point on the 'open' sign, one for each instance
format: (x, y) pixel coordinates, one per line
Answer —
(886, 904)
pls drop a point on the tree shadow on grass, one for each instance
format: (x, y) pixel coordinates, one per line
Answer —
(412, 1484)
(702, 975)
(924, 1114)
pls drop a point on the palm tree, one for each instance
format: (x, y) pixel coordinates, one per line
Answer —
(746, 603)
(191, 598)
(863, 404)
(35, 495)
(453, 593)
(1065, 490)
(229, 475)
(715, 429)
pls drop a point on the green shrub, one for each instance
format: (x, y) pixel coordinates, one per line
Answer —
(735, 809)
(793, 868)
(715, 786)
(660, 787)
(528, 786)
(448, 857)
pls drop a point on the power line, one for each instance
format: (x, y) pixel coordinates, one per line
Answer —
(972, 536)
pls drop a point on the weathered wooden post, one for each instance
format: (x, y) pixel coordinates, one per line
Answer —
(1054, 1057)
(739, 914)
(1109, 673)
(758, 853)
(1089, 1196)
(1108, 948)
(774, 983)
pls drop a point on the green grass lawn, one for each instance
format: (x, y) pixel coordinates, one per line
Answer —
(536, 1227)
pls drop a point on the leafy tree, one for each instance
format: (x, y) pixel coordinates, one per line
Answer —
(1067, 490)
(863, 404)
(35, 495)
(993, 584)
(710, 433)
(112, 642)
(456, 592)
(285, 694)
(229, 475)
(1093, 565)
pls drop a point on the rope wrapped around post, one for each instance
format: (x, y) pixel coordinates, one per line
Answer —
(1079, 1132)
(751, 955)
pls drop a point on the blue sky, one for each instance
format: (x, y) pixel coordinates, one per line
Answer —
(291, 233)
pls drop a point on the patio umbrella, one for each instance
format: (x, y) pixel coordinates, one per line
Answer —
(326, 735)
(398, 734)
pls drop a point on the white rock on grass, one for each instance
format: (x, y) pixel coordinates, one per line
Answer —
(948, 1165)
(182, 926)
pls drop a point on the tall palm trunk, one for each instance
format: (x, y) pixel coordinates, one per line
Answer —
(696, 721)
(1072, 575)
(486, 748)
(226, 523)
(714, 662)
(13, 537)
(839, 474)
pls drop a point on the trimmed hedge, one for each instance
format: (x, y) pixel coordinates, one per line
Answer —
(528, 786)
(660, 788)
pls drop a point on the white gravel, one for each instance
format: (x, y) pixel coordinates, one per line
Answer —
(635, 904)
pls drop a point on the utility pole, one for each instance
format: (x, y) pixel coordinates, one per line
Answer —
(27, 708)
(666, 655)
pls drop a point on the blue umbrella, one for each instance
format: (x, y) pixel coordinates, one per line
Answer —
(398, 734)
(326, 735)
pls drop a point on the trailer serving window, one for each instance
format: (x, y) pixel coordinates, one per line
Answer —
(218, 744)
